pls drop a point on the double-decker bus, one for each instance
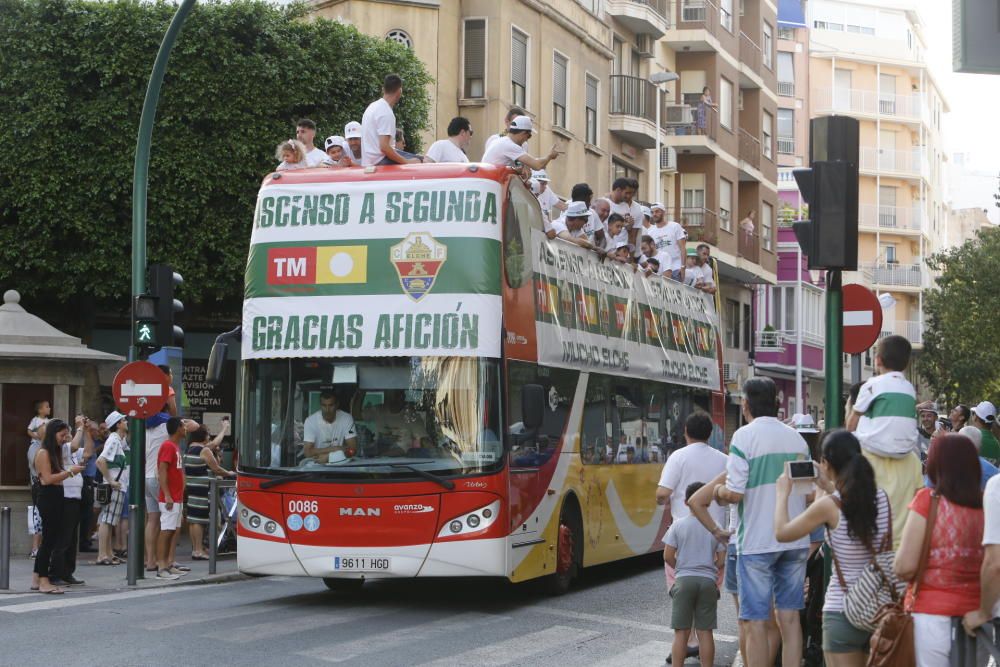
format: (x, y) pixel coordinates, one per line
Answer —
(430, 387)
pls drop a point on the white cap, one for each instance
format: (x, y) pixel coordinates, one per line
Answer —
(658, 207)
(113, 419)
(352, 130)
(623, 244)
(986, 411)
(646, 212)
(521, 124)
(973, 434)
(334, 140)
(536, 187)
(577, 209)
(540, 176)
(804, 423)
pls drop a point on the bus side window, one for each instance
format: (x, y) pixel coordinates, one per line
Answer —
(521, 214)
(534, 449)
(652, 424)
(628, 404)
(596, 442)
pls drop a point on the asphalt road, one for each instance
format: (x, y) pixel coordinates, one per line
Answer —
(616, 616)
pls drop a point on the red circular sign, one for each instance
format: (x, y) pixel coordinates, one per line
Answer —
(862, 319)
(140, 389)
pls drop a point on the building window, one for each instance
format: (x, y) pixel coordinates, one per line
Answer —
(399, 36)
(768, 46)
(560, 75)
(766, 223)
(889, 250)
(519, 68)
(747, 319)
(622, 170)
(767, 133)
(475, 58)
(786, 33)
(592, 97)
(732, 324)
(726, 14)
(786, 131)
(786, 74)
(726, 204)
(726, 104)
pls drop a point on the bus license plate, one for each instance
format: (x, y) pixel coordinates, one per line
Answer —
(362, 564)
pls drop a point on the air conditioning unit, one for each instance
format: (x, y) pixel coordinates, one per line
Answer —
(645, 45)
(668, 159)
(731, 373)
(679, 114)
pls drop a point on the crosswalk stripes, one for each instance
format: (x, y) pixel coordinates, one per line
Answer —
(57, 602)
(422, 632)
(650, 653)
(274, 628)
(514, 651)
(622, 622)
(175, 621)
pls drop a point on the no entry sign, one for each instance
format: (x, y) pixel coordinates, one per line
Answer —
(862, 318)
(140, 389)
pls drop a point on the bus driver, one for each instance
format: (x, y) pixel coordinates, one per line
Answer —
(328, 432)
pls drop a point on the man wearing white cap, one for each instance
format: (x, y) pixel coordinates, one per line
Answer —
(509, 150)
(984, 416)
(571, 226)
(113, 465)
(547, 199)
(511, 114)
(352, 135)
(453, 148)
(671, 239)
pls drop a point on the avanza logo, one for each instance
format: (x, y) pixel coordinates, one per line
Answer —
(360, 511)
(413, 509)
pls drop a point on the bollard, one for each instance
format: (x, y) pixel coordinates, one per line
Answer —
(136, 535)
(5, 548)
(213, 523)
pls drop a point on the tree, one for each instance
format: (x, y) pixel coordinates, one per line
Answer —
(961, 357)
(73, 74)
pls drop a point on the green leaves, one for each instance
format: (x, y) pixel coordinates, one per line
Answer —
(961, 357)
(73, 75)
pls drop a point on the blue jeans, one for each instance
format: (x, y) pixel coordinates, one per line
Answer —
(771, 579)
(730, 584)
(386, 161)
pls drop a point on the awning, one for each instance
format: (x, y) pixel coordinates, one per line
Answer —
(790, 14)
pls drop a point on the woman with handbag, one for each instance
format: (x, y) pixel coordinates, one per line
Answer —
(858, 521)
(113, 464)
(941, 551)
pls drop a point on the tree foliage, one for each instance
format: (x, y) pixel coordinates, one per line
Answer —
(961, 357)
(73, 75)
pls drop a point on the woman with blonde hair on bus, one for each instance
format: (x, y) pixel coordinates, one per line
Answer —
(291, 154)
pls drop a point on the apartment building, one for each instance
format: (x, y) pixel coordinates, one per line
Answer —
(867, 60)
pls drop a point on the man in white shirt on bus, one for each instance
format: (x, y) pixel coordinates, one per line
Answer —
(671, 239)
(352, 136)
(571, 227)
(305, 131)
(453, 148)
(378, 128)
(509, 150)
(512, 113)
(621, 198)
(328, 432)
(550, 202)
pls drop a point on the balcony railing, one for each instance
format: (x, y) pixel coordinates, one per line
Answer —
(912, 330)
(889, 217)
(633, 96)
(695, 14)
(869, 102)
(898, 275)
(786, 145)
(890, 159)
(749, 149)
(634, 14)
(749, 52)
(701, 225)
(786, 88)
(691, 120)
(749, 245)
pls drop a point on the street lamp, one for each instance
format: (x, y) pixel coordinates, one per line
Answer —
(657, 78)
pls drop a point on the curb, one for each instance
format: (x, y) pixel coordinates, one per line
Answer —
(147, 584)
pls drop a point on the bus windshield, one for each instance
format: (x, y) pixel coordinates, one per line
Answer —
(371, 417)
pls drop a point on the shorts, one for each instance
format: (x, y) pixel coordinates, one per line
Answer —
(171, 519)
(730, 582)
(771, 579)
(900, 479)
(695, 602)
(152, 494)
(111, 513)
(839, 636)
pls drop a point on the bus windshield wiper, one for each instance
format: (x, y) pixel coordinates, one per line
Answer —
(446, 483)
(297, 477)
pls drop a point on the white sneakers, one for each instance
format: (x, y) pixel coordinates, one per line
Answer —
(167, 575)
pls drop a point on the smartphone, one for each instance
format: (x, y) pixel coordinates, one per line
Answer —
(801, 470)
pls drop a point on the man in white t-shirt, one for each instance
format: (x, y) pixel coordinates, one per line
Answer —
(352, 136)
(650, 251)
(378, 128)
(328, 432)
(305, 131)
(697, 274)
(989, 595)
(695, 462)
(511, 114)
(621, 198)
(550, 202)
(453, 148)
(509, 150)
(671, 239)
(571, 227)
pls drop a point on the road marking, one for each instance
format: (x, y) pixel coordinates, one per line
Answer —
(413, 634)
(65, 601)
(623, 622)
(650, 653)
(858, 318)
(221, 615)
(294, 624)
(516, 650)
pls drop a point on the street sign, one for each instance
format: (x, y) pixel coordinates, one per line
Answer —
(140, 389)
(862, 318)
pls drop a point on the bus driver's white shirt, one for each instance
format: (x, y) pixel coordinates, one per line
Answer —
(324, 434)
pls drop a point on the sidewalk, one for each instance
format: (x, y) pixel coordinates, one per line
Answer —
(103, 578)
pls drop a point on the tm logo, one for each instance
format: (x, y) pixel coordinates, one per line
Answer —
(360, 511)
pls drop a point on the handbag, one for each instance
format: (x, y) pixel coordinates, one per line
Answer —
(875, 587)
(102, 491)
(892, 642)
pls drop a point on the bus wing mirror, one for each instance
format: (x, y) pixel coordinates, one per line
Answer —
(532, 404)
(216, 362)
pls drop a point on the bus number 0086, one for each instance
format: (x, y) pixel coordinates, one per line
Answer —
(303, 506)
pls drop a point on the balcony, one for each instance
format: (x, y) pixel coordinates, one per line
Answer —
(633, 110)
(750, 62)
(701, 225)
(689, 130)
(912, 330)
(889, 218)
(749, 149)
(894, 276)
(786, 88)
(786, 145)
(697, 15)
(904, 108)
(748, 246)
(886, 161)
(643, 17)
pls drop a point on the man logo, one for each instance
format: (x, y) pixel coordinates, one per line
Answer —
(360, 511)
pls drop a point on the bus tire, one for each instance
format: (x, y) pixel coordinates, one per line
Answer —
(569, 550)
(343, 585)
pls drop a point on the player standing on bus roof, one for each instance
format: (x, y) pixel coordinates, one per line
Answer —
(378, 128)
(328, 430)
(505, 151)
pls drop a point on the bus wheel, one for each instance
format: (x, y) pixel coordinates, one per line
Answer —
(569, 547)
(343, 585)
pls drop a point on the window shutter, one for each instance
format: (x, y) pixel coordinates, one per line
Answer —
(519, 58)
(475, 57)
(559, 67)
(592, 93)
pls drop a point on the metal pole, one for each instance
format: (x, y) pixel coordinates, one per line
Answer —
(659, 103)
(799, 395)
(5, 548)
(140, 179)
(855, 368)
(213, 523)
(834, 361)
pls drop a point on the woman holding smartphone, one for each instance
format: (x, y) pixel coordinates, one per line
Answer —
(49, 463)
(858, 522)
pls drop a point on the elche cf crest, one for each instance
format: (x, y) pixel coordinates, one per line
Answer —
(418, 259)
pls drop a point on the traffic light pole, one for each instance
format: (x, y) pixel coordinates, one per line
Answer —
(834, 357)
(140, 179)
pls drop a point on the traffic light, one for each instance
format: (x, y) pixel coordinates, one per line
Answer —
(163, 280)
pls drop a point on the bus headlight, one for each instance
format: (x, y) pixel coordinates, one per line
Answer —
(472, 522)
(255, 522)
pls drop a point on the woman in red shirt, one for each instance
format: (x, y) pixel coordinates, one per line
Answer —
(950, 583)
